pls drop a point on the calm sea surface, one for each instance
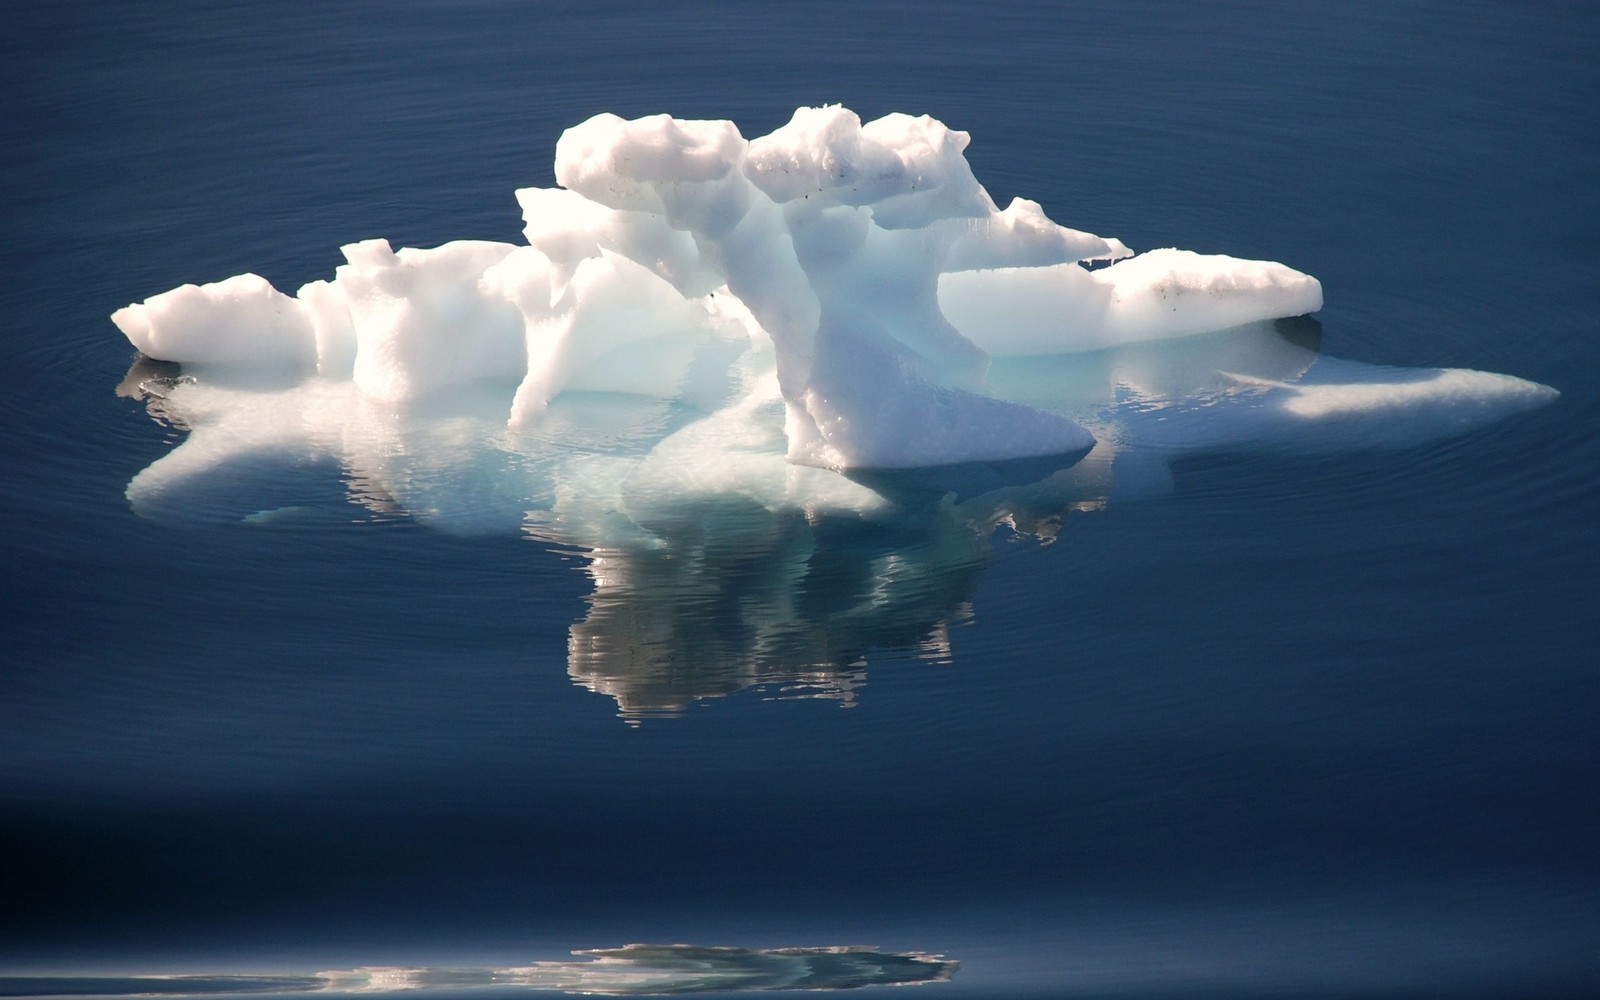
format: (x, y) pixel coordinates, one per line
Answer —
(1306, 727)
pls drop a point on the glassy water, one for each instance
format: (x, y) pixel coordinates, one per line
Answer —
(1308, 724)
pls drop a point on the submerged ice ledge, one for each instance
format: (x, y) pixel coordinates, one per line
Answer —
(865, 257)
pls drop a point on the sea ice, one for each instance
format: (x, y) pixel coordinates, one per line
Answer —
(713, 356)
(869, 256)
(852, 280)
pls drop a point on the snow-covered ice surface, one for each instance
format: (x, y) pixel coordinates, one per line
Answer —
(834, 319)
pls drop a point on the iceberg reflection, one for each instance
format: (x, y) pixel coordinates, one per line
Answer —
(735, 596)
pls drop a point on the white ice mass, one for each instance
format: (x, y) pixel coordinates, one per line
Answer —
(834, 319)
(867, 256)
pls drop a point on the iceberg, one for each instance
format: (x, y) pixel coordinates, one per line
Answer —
(880, 272)
(713, 356)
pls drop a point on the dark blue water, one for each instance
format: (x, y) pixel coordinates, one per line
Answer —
(1307, 727)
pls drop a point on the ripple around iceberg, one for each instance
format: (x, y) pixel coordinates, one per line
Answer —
(799, 380)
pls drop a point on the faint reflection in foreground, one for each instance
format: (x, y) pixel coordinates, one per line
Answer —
(632, 970)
